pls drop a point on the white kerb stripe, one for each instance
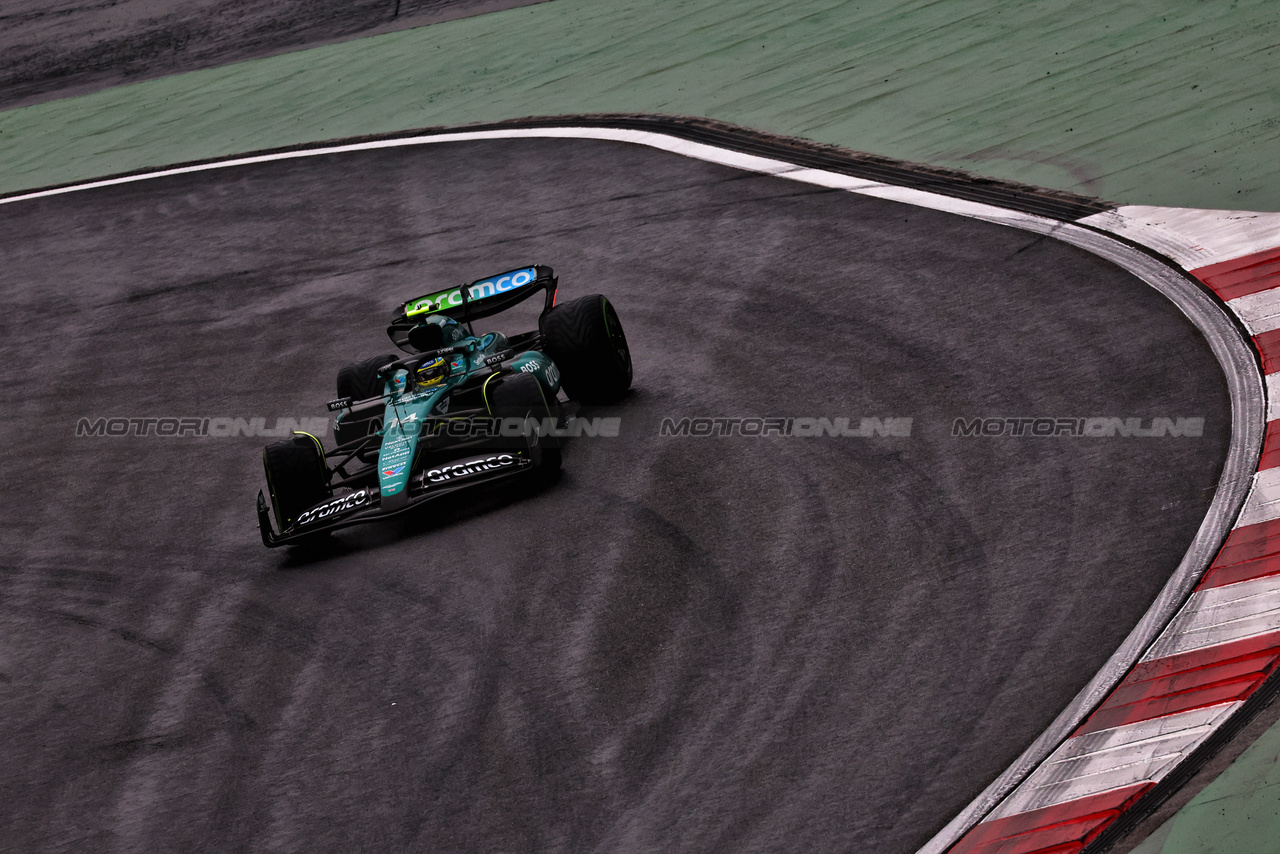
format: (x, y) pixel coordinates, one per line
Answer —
(1191, 236)
(1218, 615)
(1273, 397)
(1113, 759)
(1263, 503)
(1260, 312)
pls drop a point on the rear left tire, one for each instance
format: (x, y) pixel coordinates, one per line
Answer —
(584, 338)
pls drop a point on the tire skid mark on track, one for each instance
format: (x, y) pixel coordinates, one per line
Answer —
(171, 711)
(1191, 687)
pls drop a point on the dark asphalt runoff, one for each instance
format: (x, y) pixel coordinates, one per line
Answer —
(686, 644)
(54, 48)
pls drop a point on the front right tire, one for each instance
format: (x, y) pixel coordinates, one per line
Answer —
(296, 477)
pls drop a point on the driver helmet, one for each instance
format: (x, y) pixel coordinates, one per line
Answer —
(431, 373)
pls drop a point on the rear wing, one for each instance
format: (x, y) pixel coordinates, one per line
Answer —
(481, 298)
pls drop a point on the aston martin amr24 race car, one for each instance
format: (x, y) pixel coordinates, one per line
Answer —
(461, 410)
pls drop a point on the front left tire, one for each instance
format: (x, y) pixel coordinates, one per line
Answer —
(520, 395)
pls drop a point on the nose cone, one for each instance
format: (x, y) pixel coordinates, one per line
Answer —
(393, 468)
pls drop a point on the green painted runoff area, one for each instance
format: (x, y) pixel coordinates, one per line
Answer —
(1238, 813)
(1171, 102)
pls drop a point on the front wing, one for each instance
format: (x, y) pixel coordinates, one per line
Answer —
(347, 510)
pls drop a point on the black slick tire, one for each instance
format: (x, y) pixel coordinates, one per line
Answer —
(519, 395)
(359, 380)
(296, 477)
(584, 338)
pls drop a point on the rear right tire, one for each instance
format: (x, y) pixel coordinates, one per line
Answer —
(360, 381)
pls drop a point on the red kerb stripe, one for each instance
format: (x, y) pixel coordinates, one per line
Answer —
(1223, 653)
(1221, 576)
(1268, 344)
(1250, 542)
(1242, 276)
(1137, 691)
(1159, 707)
(1190, 680)
(1063, 827)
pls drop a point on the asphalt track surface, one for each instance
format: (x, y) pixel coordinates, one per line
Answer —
(55, 48)
(715, 644)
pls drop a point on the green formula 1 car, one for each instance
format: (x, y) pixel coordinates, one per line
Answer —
(461, 410)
